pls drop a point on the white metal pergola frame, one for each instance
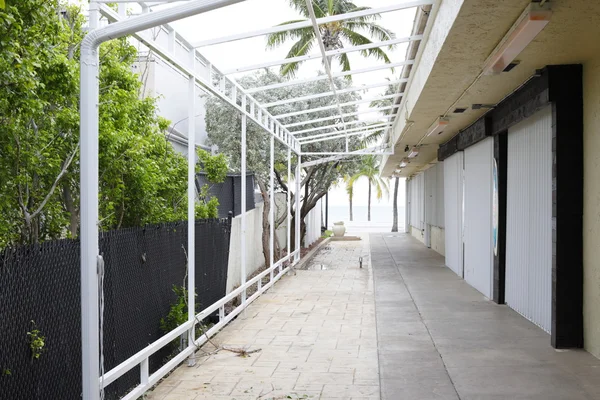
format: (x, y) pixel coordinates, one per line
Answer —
(238, 97)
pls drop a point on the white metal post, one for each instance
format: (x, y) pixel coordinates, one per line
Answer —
(298, 213)
(243, 205)
(90, 352)
(289, 204)
(407, 206)
(191, 194)
(272, 207)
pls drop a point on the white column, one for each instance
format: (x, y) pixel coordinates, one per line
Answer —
(272, 206)
(191, 195)
(289, 203)
(243, 205)
(90, 352)
(298, 188)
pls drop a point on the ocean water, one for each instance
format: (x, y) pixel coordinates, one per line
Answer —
(379, 214)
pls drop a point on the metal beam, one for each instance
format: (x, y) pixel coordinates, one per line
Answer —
(337, 125)
(202, 82)
(350, 103)
(326, 94)
(322, 77)
(333, 133)
(341, 136)
(371, 150)
(312, 121)
(313, 18)
(320, 21)
(330, 53)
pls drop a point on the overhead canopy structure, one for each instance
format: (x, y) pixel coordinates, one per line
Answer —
(297, 137)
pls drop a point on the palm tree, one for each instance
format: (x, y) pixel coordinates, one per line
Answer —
(334, 34)
(350, 191)
(369, 168)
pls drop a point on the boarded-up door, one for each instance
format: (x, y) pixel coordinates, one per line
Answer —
(453, 212)
(529, 219)
(478, 216)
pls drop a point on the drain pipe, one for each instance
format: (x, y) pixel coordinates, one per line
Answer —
(90, 257)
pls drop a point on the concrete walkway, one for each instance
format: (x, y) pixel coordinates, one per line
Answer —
(439, 338)
(316, 331)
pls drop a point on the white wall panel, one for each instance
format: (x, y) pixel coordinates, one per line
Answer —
(417, 201)
(439, 200)
(478, 216)
(453, 204)
(529, 219)
(434, 195)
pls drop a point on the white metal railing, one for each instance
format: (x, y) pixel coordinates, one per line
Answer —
(142, 356)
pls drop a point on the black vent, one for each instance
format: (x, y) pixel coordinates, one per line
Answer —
(510, 66)
(459, 110)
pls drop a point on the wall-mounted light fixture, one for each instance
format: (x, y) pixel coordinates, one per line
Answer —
(413, 152)
(531, 22)
(438, 126)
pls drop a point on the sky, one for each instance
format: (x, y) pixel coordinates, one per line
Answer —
(251, 15)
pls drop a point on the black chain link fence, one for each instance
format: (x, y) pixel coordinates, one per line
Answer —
(229, 193)
(40, 289)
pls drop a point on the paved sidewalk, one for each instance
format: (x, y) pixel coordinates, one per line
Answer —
(316, 331)
(441, 339)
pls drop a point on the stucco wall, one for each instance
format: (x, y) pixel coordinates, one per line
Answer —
(417, 233)
(438, 240)
(254, 254)
(591, 206)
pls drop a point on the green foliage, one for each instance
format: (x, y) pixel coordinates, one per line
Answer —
(178, 314)
(369, 168)
(36, 342)
(216, 169)
(355, 31)
(327, 234)
(142, 179)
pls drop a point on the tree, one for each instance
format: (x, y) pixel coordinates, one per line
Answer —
(369, 168)
(223, 125)
(350, 192)
(142, 179)
(334, 34)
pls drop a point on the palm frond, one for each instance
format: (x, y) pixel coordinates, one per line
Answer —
(356, 39)
(300, 48)
(374, 30)
(345, 64)
(300, 6)
(278, 38)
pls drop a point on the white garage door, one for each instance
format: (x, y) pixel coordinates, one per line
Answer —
(478, 216)
(453, 215)
(529, 219)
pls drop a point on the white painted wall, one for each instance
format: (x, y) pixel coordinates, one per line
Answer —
(254, 254)
(591, 205)
(529, 219)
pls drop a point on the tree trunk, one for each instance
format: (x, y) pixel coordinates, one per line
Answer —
(265, 222)
(70, 207)
(395, 205)
(350, 199)
(369, 204)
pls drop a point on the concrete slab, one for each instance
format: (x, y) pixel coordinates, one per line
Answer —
(317, 335)
(439, 338)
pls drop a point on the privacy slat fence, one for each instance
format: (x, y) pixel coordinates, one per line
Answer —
(41, 283)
